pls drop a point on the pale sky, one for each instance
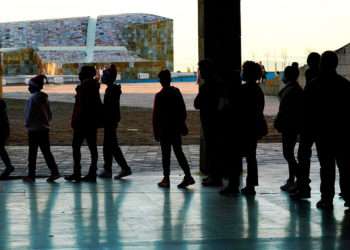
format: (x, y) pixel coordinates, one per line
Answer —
(273, 30)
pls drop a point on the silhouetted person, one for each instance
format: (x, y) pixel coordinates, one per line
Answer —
(86, 119)
(169, 124)
(252, 121)
(207, 102)
(37, 121)
(4, 135)
(288, 121)
(327, 106)
(111, 111)
(231, 158)
(303, 189)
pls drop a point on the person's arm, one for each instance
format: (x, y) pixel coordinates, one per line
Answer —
(155, 118)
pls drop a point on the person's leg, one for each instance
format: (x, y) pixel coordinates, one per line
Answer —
(32, 154)
(107, 149)
(78, 138)
(165, 146)
(45, 147)
(252, 164)
(180, 156)
(6, 159)
(289, 141)
(118, 153)
(304, 160)
(343, 162)
(91, 138)
(327, 171)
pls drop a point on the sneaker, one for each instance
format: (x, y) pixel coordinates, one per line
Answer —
(123, 173)
(209, 182)
(325, 205)
(89, 178)
(165, 183)
(73, 177)
(347, 204)
(6, 173)
(53, 177)
(105, 174)
(187, 181)
(300, 195)
(288, 186)
(229, 192)
(28, 179)
(249, 191)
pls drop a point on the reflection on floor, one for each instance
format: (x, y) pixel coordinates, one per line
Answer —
(136, 214)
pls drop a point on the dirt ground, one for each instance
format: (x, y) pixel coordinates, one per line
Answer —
(135, 127)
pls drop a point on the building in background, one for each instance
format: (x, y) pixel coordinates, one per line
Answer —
(139, 44)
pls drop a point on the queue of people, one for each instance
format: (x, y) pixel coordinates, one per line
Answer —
(232, 117)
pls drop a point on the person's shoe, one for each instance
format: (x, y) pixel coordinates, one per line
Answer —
(324, 205)
(105, 174)
(229, 192)
(293, 188)
(249, 191)
(73, 178)
(209, 182)
(28, 179)
(89, 178)
(187, 181)
(286, 187)
(53, 177)
(165, 183)
(123, 173)
(300, 195)
(6, 173)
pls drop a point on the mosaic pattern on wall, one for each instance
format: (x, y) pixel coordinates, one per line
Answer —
(143, 42)
(33, 34)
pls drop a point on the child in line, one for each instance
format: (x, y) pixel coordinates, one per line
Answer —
(169, 124)
(111, 110)
(37, 121)
(86, 119)
(4, 134)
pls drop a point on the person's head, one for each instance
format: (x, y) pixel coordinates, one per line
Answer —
(329, 62)
(109, 75)
(165, 78)
(206, 69)
(87, 73)
(295, 65)
(37, 83)
(313, 60)
(291, 74)
(251, 72)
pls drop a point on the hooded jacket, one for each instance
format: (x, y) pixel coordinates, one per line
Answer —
(37, 112)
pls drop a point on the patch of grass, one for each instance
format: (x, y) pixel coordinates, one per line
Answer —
(134, 129)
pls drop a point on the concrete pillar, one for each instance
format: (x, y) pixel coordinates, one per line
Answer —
(219, 39)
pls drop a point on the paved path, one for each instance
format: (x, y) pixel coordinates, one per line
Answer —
(134, 95)
(136, 214)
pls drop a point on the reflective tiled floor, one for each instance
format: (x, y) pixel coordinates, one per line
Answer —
(136, 214)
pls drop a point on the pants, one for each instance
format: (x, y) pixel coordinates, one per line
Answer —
(40, 139)
(211, 150)
(176, 143)
(111, 149)
(91, 138)
(304, 159)
(331, 154)
(4, 156)
(289, 140)
(249, 152)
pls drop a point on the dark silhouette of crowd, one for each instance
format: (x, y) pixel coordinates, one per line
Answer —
(231, 107)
